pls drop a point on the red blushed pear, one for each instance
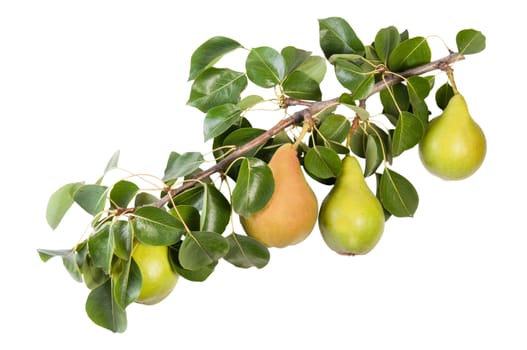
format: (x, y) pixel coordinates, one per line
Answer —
(291, 213)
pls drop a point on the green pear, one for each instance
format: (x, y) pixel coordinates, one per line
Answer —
(454, 146)
(351, 218)
(291, 213)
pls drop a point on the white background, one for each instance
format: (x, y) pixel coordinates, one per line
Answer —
(80, 80)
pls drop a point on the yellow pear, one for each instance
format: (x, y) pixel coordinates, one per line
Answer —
(351, 218)
(454, 146)
(291, 213)
(159, 279)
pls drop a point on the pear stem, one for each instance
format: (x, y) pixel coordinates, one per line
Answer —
(312, 108)
(450, 74)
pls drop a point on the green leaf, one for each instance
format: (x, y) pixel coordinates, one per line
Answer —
(60, 202)
(122, 193)
(241, 136)
(187, 214)
(334, 128)
(69, 260)
(337, 36)
(100, 247)
(300, 85)
(408, 132)
(397, 194)
(128, 284)
(359, 140)
(314, 67)
(122, 238)
(220, 118)
(409, 54)
(443, 95)
(249, 102)
(208, 53)
(265, 66)
(216, 87)
(245, 252)
(216, 210)
(394, 100)
(184, 164)
(112, 164)
(418, 90)
(198, 275)
(361, 112)
(202, 248)
(293, 57)
(254, 187)
(92, 275)
(103, 309)
(192, 196)
(374, 155)
(154, 226)
(470, 41)
(46, 254)
(385, 41)
(358, 79)
(144, 198)
(322, 162)
(91, 198)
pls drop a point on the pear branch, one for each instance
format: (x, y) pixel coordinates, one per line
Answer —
(312, 109)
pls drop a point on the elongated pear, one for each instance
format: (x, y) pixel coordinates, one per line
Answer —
(454, 146)
(291, 213)
(351, 218)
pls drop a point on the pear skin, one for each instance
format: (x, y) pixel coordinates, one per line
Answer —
(454, 146)
(351, 218)
(291, 213)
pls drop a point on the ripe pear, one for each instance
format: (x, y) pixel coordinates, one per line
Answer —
(454, 146)
(291, 213)
(351, 218)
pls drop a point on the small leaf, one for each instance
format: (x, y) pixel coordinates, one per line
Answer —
(220, 118)
(187, 214)
(293, 57)
(122, 193)
(335, 128)
(337, 36)
(385, 41)
(216, 87)
(127, 284)
(198, 275)
(409, 54)
(208, 53)
(192, 196)
(249, 102)
(418, 90)
(92, 275)
(408, 132)
(46, 254)
(254, 187)
(103, 309)
(101, 246)
(394, 100)
(300, 85)
(216, 210)
(358, 79)
(443, 95)
(112, 164)
(154, 226)
(361, 112)
(60, 202)
(397, 194)
(470, 41)
(322, 162)
(241, 136)
(91, 198)
(265, 66)
(200, 249)
(314, 67)
(144, 198)
(374, 155)
(184, 164)
(246, 252)
(122, 238)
